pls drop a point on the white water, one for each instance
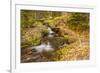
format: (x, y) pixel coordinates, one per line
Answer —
(50, 32)
(44, 47)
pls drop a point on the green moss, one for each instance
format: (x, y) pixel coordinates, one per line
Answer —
(58, 55)
(57, 42)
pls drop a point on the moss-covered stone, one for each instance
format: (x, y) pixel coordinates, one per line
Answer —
(57, 42)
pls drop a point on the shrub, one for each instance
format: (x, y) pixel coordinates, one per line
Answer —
(61, 53)
(78, 21)
(31, 38)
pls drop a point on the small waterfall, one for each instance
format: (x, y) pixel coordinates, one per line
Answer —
(40, 48)
(50, 32)
(49, 47)
(45, 47)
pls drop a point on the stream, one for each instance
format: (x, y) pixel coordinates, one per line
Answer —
(45, 46)
(34, 53)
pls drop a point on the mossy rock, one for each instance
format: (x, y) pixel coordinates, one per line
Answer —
(70, 39)
(57, 42)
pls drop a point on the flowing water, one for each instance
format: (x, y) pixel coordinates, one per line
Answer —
(50, 32)
(35, 53)
(45, 47)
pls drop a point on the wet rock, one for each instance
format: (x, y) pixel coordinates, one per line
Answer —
(57, 42)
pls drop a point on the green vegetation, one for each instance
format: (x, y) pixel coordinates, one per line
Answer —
(71, 34)
(79, 21)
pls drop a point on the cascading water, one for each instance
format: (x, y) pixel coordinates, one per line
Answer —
(50, 32)
(45, 47)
